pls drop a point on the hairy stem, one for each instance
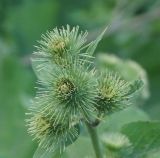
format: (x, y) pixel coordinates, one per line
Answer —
(95, 140)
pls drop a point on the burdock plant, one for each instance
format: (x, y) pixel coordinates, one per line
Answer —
(72, 90)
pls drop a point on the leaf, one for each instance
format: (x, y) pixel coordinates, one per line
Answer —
(135, 86)
(75, 150)
(82, 148)
(41, 69)
(115, 121)
(92, 46)
(72, 138)
(43, 153)
(144, 136)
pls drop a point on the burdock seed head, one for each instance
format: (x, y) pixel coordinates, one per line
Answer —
(112, 92)
(49, 135)
(59, 44)
(115, 141)
(67, 93)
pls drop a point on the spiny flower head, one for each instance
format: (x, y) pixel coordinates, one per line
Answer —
(58, 44)
(128, 69)
(115, 141)
(112, 92)
(69, 88)
(67, 92)
(51, 136)
(65, 88)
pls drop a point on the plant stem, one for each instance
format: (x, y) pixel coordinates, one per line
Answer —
(95, 140)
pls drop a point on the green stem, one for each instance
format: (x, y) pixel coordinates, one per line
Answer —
(95, 140)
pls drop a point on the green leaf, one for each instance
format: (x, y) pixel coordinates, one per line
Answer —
(135, 86)
(115, 121)
(43, 153)
(93, 45)
(144, 136)
(41, 69)
(73, 138)
(82, 148)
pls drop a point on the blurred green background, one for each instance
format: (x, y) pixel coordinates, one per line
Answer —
(133, 33)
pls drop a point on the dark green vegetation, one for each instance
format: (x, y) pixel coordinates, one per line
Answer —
(133, 33)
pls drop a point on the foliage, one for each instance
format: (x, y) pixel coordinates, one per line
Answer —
(144, 137)
(133, 34)
(73, 90)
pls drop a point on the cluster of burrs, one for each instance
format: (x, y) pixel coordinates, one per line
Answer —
(71, 88)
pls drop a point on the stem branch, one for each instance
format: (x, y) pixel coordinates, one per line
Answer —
(95, 140)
